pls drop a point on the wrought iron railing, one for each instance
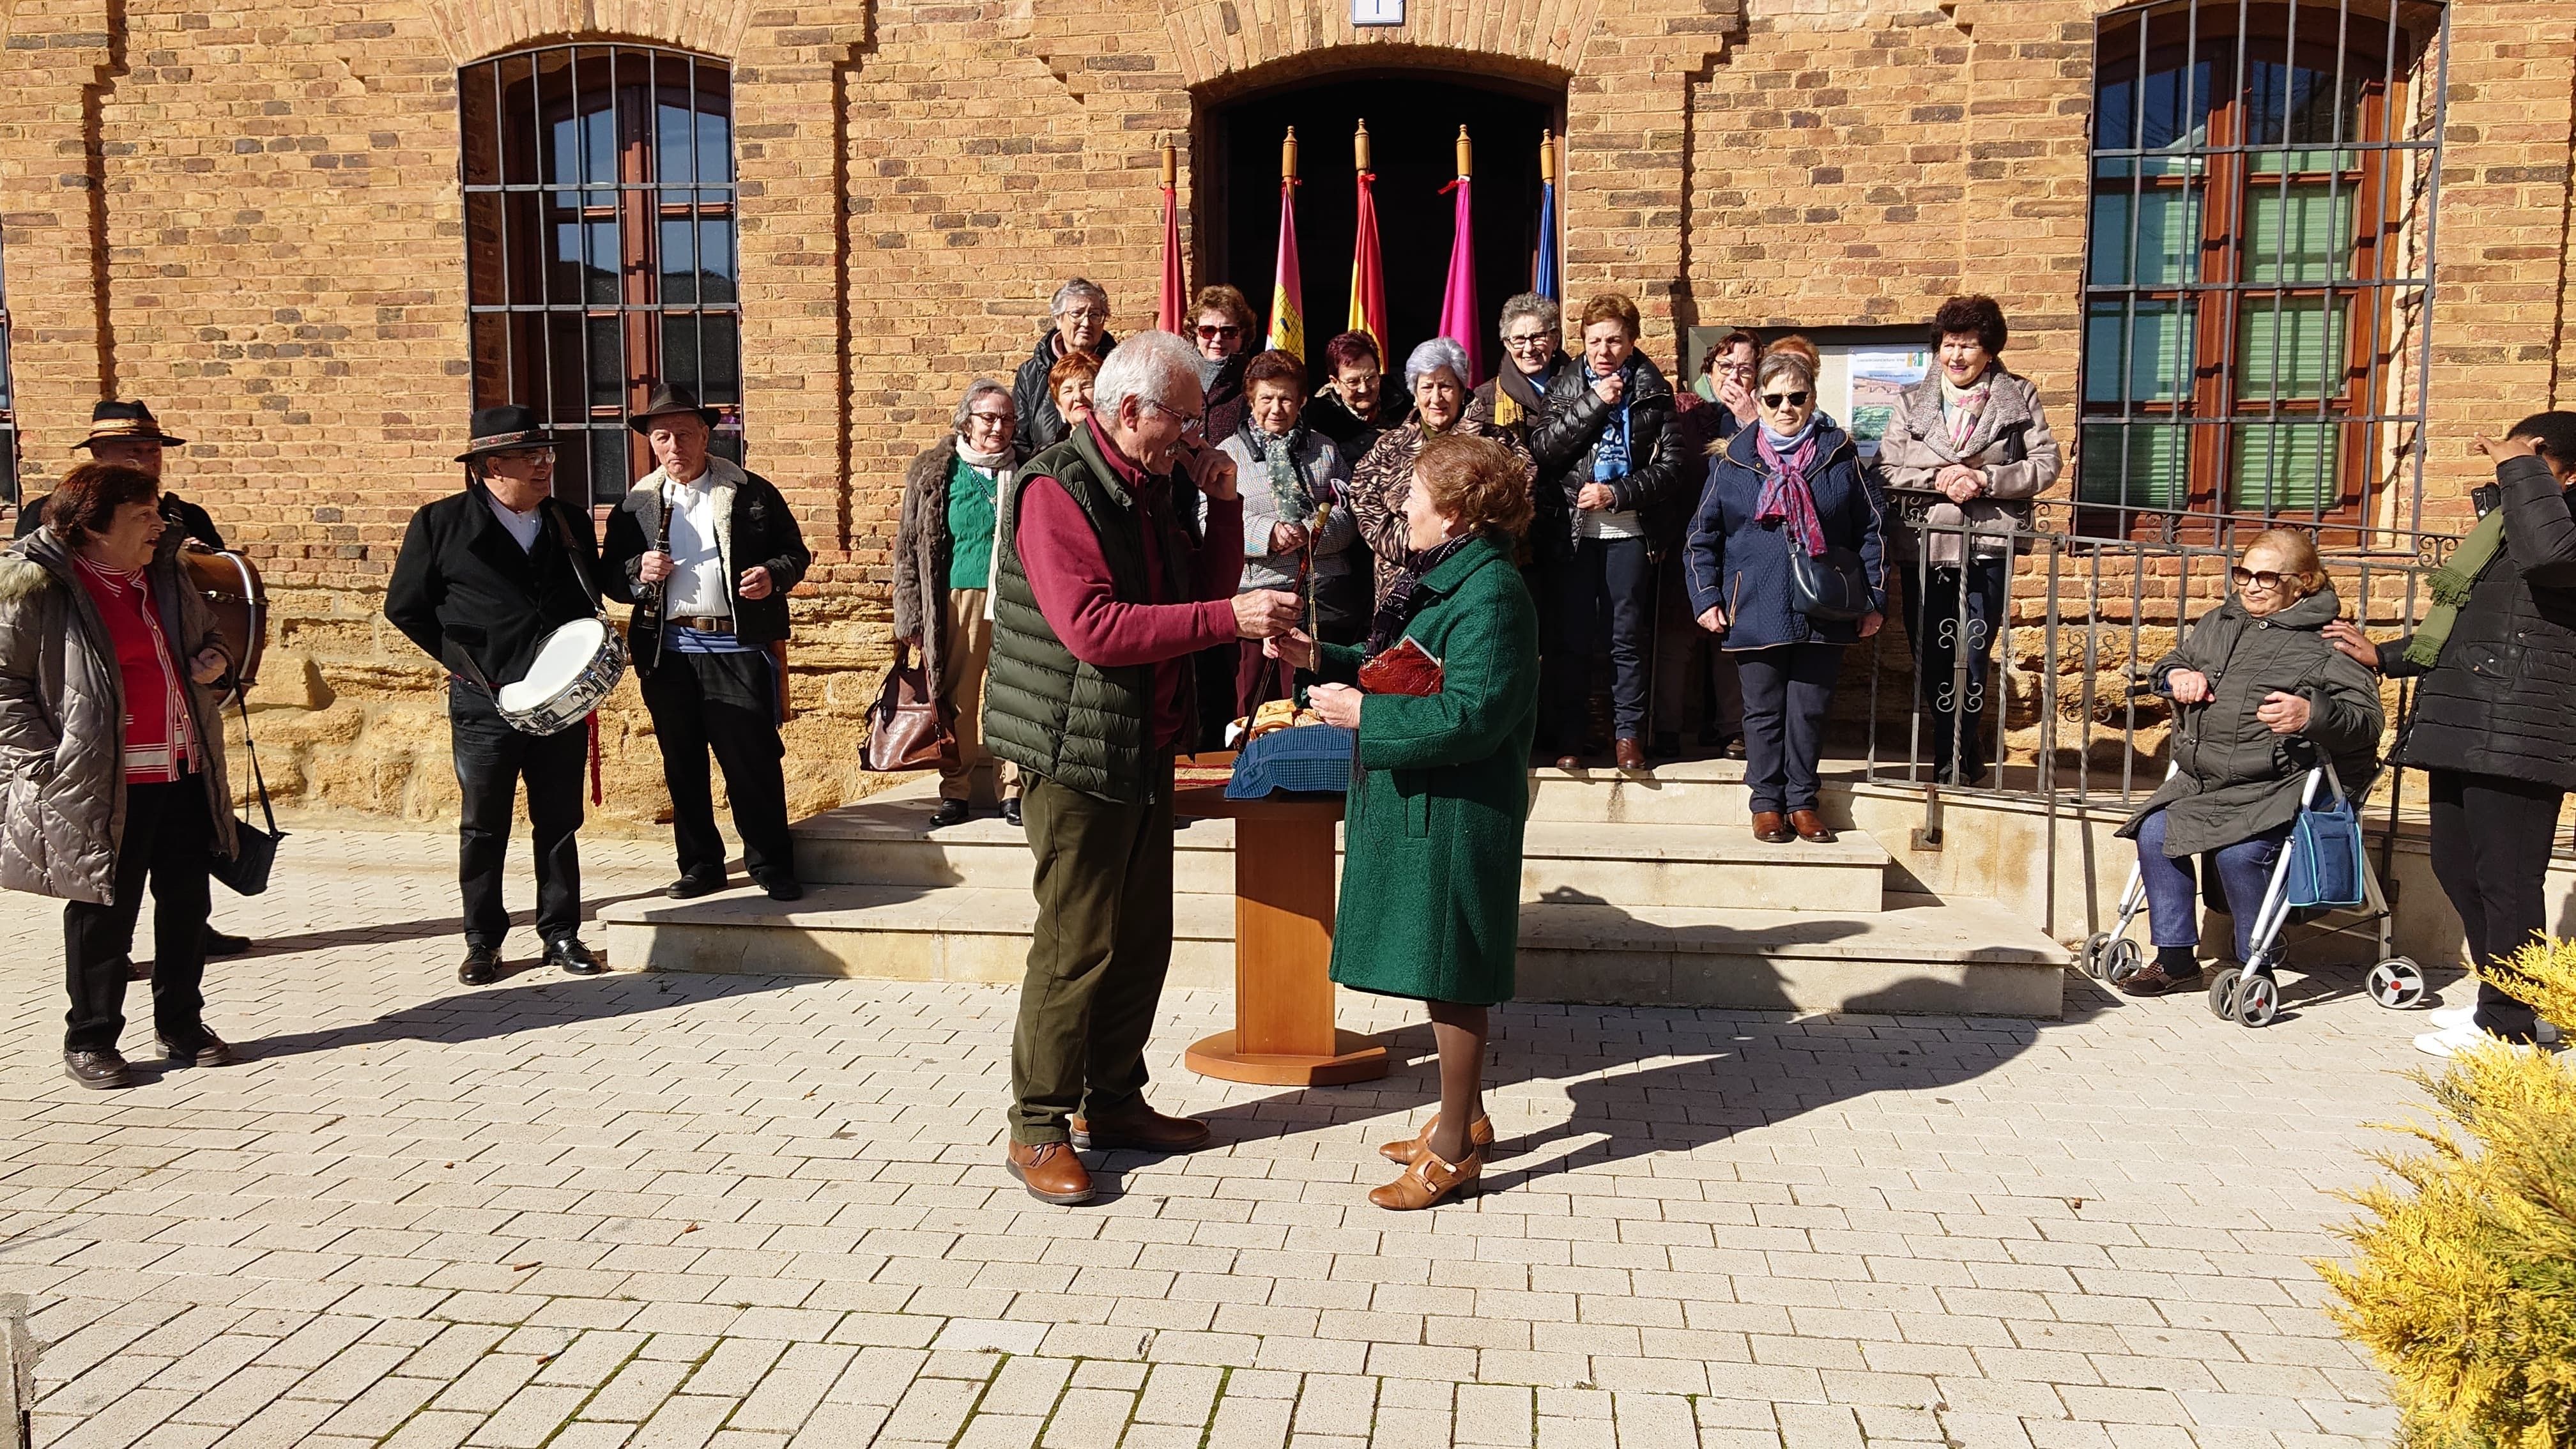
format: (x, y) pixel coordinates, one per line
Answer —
(2085, 619)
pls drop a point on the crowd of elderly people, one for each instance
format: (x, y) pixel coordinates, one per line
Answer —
(1679, 528)
(1142, 541)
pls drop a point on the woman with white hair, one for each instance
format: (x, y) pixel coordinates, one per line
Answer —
(1436, 374)
(1078, 321)
(943, 580)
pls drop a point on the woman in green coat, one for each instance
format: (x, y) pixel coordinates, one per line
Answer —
(1431, 881)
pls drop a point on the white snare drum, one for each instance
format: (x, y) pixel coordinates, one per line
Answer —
(572, 675)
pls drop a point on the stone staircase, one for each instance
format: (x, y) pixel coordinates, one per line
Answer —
(1631, 896)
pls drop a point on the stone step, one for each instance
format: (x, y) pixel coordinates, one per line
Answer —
(1926, 957)
(883, 841)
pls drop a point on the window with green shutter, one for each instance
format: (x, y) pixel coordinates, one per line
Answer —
(2255, 265)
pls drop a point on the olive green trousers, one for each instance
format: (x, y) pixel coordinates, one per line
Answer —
(1096, 967)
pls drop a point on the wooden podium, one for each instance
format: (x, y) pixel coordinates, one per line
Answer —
(1283, 947)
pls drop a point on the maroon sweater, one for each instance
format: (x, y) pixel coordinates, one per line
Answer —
(1070, 577)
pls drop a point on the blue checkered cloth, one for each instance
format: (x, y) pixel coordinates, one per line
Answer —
(1308, 760)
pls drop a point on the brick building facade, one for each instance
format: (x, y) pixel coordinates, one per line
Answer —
(253, 218)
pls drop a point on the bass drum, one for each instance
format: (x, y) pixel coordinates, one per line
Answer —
(231, 587)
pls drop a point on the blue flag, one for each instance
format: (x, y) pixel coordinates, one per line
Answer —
(1545, 282)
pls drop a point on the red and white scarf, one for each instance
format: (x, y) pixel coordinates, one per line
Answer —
(160, 745)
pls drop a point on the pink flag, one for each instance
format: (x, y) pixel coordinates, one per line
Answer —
(1458, 302)
(1175, 289)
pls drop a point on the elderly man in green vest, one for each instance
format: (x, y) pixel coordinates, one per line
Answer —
(1100, 599)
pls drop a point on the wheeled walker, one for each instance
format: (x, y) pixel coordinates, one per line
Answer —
(2251, 993)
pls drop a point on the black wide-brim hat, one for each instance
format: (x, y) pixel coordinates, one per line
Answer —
(506, 429)
(113, 422)
(666, 400)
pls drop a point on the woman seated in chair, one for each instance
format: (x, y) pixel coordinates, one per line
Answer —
(2259, 698)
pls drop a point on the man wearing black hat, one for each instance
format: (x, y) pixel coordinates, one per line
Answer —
(126, 433)
(707, 552)
(483, 577)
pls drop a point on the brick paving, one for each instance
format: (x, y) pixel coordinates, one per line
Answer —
(673, 1211)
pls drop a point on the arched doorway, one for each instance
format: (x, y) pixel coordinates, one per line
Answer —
(1413, 119)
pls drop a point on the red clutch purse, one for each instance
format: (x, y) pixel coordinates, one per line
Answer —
(1405, 669)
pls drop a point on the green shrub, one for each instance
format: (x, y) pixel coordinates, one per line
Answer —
(2464, 1282)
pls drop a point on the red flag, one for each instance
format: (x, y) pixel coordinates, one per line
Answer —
(1175, 290)
(1368, 270)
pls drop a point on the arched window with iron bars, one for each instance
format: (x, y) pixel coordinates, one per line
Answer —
(2259, 264)
(600, 245)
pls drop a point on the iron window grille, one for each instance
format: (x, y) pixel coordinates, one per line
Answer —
(8, 396)
(600, 245)
(2259, 264)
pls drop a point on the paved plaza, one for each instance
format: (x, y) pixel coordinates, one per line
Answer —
(669, 1211)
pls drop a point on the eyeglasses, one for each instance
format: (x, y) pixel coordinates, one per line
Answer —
(1190, 422)
(1213, 333)
(2266, 580)
(1082, 314)
(990, 420)
(1736, 369)
(1784, 399)
(1530, 343)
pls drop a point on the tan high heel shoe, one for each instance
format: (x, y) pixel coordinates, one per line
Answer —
(1429, 1180)
(1480, 1135)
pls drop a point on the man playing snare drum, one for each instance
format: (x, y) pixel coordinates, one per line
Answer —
(484, 576)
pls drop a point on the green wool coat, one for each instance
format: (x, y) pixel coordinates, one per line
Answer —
(1431, 884)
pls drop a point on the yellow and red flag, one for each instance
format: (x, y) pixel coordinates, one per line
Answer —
(1287, 311)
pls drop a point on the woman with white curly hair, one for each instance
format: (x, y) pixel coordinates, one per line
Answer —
(1437, 375)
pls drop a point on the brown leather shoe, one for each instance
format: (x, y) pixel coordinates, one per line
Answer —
(1428, 1180)
(1480, 1135)
(1051, 1173)
(2153, 981)
(1811, 827)
(1569, 763)
(1139, 1128)
(1632, 755)
(1770, 829)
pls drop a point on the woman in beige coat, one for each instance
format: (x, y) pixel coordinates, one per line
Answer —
(1966, 451)
(112, 759)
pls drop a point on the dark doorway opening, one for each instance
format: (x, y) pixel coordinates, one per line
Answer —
(1413, 123)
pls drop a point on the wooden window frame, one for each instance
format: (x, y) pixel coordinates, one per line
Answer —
(2379, 52)
(530, 345)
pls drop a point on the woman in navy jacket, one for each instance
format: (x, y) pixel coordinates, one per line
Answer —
(1793, 480)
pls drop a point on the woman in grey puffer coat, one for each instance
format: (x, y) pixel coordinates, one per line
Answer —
(2260, 699)
(102, 789)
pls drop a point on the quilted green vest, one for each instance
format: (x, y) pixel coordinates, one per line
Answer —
(1082, 726)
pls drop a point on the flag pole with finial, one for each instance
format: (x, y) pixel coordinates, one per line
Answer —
(1458, 299)
(1368, 268)
(1545, 281)
(1175, 287)
(1288, 285)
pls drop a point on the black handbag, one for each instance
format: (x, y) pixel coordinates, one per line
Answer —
(1830, 588)
(245, 871)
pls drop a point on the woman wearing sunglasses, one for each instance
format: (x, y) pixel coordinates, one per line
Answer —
(1225, 333)
(1789, 485)
(2259, 697)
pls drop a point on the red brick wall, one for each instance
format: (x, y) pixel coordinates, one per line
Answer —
(274, 241)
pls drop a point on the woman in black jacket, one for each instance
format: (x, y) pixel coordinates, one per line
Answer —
(2495, 716)
(1608, 454)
